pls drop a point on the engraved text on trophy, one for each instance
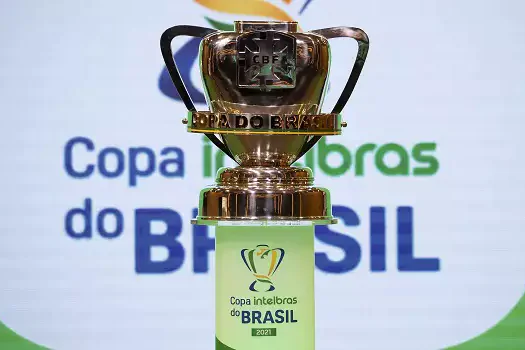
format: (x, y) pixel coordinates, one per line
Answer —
(266, 60)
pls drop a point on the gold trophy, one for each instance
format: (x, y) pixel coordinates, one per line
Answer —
(265, 84)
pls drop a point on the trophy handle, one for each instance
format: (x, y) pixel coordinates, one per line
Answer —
(165, 47)
(362, 50)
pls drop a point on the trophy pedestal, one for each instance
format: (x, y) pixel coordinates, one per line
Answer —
(264, 285)
(264, 255)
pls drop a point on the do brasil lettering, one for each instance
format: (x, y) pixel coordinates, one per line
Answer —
(264, 317)
(92, 220)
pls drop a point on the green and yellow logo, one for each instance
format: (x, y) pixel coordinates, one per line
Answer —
(262, 262)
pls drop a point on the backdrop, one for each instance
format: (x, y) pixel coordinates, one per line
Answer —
(427, 180)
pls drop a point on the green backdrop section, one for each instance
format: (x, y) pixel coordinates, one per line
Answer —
(220, 346)
(227, 27)
(12, 341)
(508, 334)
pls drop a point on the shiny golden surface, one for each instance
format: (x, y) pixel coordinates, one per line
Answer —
(219, 65)
(258, 123)
(265, 193)
(265, 186)
(244, 26)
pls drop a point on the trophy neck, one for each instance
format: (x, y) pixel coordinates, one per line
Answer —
(251, 26)
(261, 176)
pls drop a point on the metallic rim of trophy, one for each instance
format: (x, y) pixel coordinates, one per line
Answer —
(265, 84)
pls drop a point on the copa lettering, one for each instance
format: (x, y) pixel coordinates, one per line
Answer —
(83, 160)
(274, 300)
(148, 236)
(240, 301)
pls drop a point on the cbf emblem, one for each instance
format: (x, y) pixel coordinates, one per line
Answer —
(266, 60)
(263, 262)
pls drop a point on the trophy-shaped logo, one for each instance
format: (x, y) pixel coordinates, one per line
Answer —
(263, 262)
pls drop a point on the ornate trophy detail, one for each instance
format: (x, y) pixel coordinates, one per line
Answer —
(266, 60)
(265, 84)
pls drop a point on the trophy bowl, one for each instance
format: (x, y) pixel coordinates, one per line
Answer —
(276, 71)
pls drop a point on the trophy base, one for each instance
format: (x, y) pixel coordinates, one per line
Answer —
(264, 194)
(264, 287)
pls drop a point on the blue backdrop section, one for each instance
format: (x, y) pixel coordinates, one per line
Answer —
(185, 58)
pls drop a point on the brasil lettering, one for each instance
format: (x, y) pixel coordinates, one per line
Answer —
(264, 317)
(277, 316)
(318, 124)
(361, 238)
